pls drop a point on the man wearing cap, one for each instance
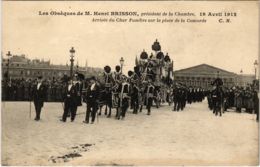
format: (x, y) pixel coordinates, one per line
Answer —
(92, 97)
(70, 101)
(39, 95)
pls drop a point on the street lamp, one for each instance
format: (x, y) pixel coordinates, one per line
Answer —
(255, 65)
(9, 55)
(72, 51)
(241, 75)
(122, 63)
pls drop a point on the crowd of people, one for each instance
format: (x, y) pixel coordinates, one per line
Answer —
(114, 90)
(182, 95)
(20, 89)
(237, 98)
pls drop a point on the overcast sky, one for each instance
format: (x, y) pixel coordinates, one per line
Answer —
(231, 46)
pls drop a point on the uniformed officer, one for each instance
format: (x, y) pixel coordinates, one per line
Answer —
(183, 97)
(124, 97)
(216, 101)
(149, 92)
(135, 92)
(39, 93)
(92, 97)
(117, 76)
(239, 99)
(248, 98)
(109, 82)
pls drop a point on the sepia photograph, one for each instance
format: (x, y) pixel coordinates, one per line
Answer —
(130, 83)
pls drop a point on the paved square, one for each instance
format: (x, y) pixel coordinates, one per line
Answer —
(191, 137)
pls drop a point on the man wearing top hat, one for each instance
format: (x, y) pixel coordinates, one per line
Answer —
(78, 86)
(39, 95)
(70, 101)
(92, 97)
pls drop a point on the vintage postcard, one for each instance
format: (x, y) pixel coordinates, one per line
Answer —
(118, 83)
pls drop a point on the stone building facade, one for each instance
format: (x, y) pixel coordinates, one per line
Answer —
(22, 67)
(203, 75)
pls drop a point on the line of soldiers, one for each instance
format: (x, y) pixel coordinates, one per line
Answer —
(182, 95)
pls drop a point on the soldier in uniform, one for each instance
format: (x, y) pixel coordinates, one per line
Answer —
(216, 101)
(249, 104)
(189, 95)
(209, 98)
(70, 101)
(117, 76)
(226, 100)
(92, 97)
(135, 97)
(134, 84)
(232, 97)
(109, 82)
(39, 93)
(149, 94)
(183, 95)
(129, 80)
(239, 99)
(124, 97)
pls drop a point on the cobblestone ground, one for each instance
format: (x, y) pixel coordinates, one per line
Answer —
(190, 137)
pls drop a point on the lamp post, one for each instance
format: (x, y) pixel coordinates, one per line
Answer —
(122, 63)
(255, 65)
(241, 75)
(9, 55)
(72, 51)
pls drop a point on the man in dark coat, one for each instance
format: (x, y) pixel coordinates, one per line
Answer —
(92, 97)
(70, 101)
(39, 93)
